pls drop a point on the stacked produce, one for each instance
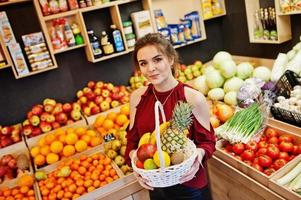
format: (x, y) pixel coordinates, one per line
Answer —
(187, 73)
(293, 103)
(77, 177)
(10, 135)
(13, 166)
(173, 140)
(99, 96)
(63, 143)
(23, 190)
(242, 126)
(50, 115)
(137, 80)
(270, 153)
(220, 113)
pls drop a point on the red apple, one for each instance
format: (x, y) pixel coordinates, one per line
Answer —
(45, 127)
(70, 121)
(108, 99)
(6, 141)
(44, 116)
(57, 108)
(61, 118)
(36, 131)
(86, 90)
(83, 100)
(75, 114)
(76, 106)
(29, 114)
(48, 108)
(97, 91)
(12, 163)
(110, 86)
(105, 93)
(55, 125)
(139, 164)
(95, 110)
(49, 101)
(90, 96)
(104, 106)
(37, 109)
(16, 138)
(50, 118)
(91, 84)
(122, 88)
(146, 151)
(27, 129)
(79, 94)
(99, 84)
(34, 120)
(87, 111)
(67, 107)
(116, 89)
(98, 100)
(7, 130)
(26, 122)
(124, 99)
(115, 103)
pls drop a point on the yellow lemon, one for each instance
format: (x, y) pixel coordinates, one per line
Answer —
(68, 150)
(166, 158)
(56, 147)
(34, 151)
(81, 145)
(71, 138)
(52, 158)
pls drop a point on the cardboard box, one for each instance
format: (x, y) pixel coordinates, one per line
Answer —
(6, 30)
(142, 23)
(18, 59)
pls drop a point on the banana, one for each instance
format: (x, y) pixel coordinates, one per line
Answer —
(145, 139)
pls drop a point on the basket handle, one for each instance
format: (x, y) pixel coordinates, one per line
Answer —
(159, 107)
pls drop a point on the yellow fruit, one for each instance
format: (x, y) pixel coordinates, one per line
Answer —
(108, 124)
(121, 119)
(95, 141)
(145, 139)
(49, 138)
(71, 138)
(45, 150)
(68, 150)
(112, 116)
(59, 132)
(34, 151)
(91, 133)
(99, 121)
(62, 139)
(52, 158)
(163, 128)
(125, 110)
(56, 147)
(81, 145)
(69, 130)
(166, 158)
(80, 131)
(25, 180)
(39, 160)
(42, 142)
(86, 138)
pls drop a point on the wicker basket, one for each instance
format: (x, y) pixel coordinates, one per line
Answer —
(166, 176)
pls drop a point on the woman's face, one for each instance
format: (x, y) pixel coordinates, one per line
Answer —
(154, 65)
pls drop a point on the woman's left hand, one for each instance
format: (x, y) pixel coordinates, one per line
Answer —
(194, 168)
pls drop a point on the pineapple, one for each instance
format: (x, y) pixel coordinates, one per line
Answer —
(174, 138)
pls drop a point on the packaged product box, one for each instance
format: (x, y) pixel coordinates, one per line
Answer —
(142, 23)
(18, 59)
(6, 30)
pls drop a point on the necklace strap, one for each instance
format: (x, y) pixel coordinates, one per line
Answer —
(166, 97)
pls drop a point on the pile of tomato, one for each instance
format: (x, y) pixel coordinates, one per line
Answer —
(268, 155)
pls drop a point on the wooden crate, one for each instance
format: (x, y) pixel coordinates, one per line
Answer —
(283, 190)
(245, 168)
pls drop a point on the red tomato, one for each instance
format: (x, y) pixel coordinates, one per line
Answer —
(269, 171)
(262, 144)
(229, 147)
(284, 155)
(252, 145)
(238, 148)
(261, 151)
(273, 145)
(286, 146)
(296, 149)
(279, 163)
(247, 155)
(286, 138)
(273, 152)
(273, 140)
(263, 138)
(291, 157)
(264, 161)
(270, 132)
(257, 166)
(248, 162)
(255, 161)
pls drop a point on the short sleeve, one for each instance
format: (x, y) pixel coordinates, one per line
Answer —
(204, 138)
(132, 143)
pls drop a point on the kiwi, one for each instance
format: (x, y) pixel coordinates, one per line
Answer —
(22, 162)
(177, 158)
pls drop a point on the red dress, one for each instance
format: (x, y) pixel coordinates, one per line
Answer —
(145, 122)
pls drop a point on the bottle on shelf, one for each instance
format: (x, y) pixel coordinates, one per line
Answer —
(106, 44)
(76, 32)
(117, 38)
(63, 5)
(69, 34)
(97, 52)
(73, 4)
(82, 3)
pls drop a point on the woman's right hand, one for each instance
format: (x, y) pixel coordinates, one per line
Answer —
(142, 182)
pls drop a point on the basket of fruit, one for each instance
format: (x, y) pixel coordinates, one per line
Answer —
(164, 158)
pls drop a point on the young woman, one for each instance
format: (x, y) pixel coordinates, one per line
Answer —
(157, 60)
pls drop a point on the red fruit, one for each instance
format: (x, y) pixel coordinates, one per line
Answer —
(286, 138)
(139, 164)
(70, 121)
(34, 120)
(58, 108)
(27, 129)
(255, 161)
(257, 167)
(5, 159)
(262, 144)
(279, 163)
(55, 125)
(273, 152)
(229, 147)
(61, 118)
(291, 157)
(264, 161)
(284, 155)
(286, 146)
(269, 171)
(37, 109)
(6, 130)
(263, 138)
(273, 140)
(115, 96)
(67, 107)
(252, 145)
(48, 108)
(3, 170)
(95, 110)
(261, 151)
(29, 114)
(45, 127)
(6, 141)
(296, 149)
(105, 93)
(146, 151)
(247, 155)
(238, 148)
(99, 84)
(91, 84)
(12, 163)
(44, 116)
(90, 96)
(98, 100)
(36, 131)
(270, 132)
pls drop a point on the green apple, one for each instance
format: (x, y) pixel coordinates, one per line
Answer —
(189, 76)
(196, 73)
(149, 164)
(187, 71)
(194, 68)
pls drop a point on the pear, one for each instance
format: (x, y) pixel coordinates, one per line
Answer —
(108, 146)
(122, 150)
(111, 154)
(40, 175)
(64, 172)
(119, 160)
(116, 144)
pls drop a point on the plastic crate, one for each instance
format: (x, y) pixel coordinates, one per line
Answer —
(283, 87)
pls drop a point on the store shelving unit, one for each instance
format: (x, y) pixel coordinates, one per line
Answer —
(5, 54)
(222, 2)
(283, 24)
(280, 13)
(13, 2)
(33, 72)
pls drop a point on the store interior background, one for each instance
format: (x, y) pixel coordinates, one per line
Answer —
(227, 33)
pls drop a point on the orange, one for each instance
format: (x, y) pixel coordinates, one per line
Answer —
(88, 183)
(13, 192)
(49, 184)
(112, 116)
(59, 132)
(112, 172)
(91, 188)
(79, 182)
(42, 142)
(86, 138)
(80, 190)
(99, 121)
(39, 160)
(95, 141)
(68, 150)
(45, 150)
(49, 138)
(24, 189)
(56, 147)
(121, 119)
(96, 183)
(91, 133)
(103, 183)
(115, 177)
(60, 194)
(68, 195)
(81, 145)
(69, 130)
(80, 131)
(108, 124)
(30, 192)
(71, 138)
(82, 170)
(25, 180)
(102, 177)
(125, 110)
(107, 161)
(75, 196)
(101, 130)
(109, 179)
(34, 151)
(52, 158)
(72, 188)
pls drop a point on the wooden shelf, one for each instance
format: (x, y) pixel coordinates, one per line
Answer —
(268, 41)
(190, 42)
(215, 16)
(290, 13)
(69, 49)
(105, 5)
(60, 15)
(5, 66)
(109, 56)
(13, 2)
(223, 8)
(37, 72)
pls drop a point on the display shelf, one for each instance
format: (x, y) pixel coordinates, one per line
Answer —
(5, 55)
(283, 24)
(69, 48)
(60, 15)
(13, 2)
(291, 13)
(215, 16)
(223, 8)
(280, 13)
(109, 56)
(190, 42)
(35, 72)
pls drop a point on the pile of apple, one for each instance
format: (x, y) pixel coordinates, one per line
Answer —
(268, 155)
(220, 113)
(187, 73)
(50, 115)
(10, 135)
(13, 166)
(99, 96)
(137, 80)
